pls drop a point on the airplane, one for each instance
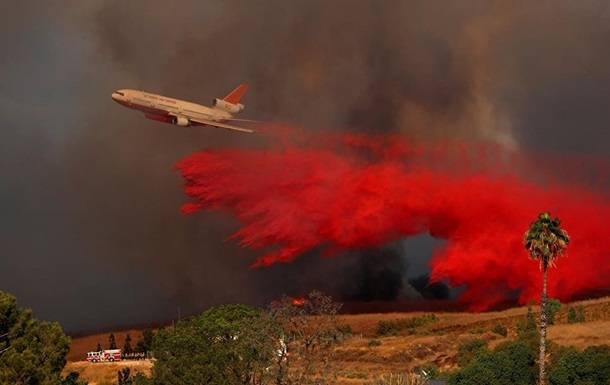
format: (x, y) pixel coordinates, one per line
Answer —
(183, 113)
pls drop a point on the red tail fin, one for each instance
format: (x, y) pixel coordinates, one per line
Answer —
(236, 95)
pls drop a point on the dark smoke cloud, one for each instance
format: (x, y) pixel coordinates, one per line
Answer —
(90, 231)
(381, 276)
(430, 290)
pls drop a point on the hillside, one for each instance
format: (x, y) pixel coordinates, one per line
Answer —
(366, 354)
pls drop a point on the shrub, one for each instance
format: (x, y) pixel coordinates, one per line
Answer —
(469, 349)
(374, 342)
(591, 366)
(394, 327)
(511, 363)
(344, 329)
(387, 328)
(429, 371)
(124, 377)
(576, 314)
(73, 379)
(552, 307)
(527, 330)
(500, 330)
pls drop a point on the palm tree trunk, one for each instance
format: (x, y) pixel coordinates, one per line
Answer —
(542, 358)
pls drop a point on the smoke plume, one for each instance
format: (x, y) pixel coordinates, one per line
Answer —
(292, 200)
(87, 191)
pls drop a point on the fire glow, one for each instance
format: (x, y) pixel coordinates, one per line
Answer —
(352, 192)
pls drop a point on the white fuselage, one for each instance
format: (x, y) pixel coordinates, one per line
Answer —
(170, 110)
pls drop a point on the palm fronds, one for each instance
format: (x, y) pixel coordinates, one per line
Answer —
(545, 240)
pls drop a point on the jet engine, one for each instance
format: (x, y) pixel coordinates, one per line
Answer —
(181, 121)
(228, 107)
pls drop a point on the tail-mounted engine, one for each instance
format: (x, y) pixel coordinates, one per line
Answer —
(228, 107)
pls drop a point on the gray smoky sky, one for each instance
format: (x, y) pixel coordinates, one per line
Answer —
(90, 230)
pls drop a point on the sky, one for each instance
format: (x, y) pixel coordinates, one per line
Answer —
(90, 229)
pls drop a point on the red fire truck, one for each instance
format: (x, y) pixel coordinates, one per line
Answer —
(104, 356)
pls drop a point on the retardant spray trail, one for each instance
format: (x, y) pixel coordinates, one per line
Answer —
(360, 194)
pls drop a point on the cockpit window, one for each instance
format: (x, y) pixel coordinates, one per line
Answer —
(120, 93)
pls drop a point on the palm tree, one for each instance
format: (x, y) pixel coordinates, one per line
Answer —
(545, 241)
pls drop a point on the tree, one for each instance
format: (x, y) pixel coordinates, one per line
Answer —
(469, 350)
(575, 315)
(111, 342)
(33, 351)
(144, 344)
(226, 345)
(127, 349)
(545, 241)
(99, 347)
(310, 332)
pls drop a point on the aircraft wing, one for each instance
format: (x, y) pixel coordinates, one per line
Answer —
(243, 120)
(220, 124)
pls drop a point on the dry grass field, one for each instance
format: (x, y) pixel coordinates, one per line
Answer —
(367, 355)
(106, 373)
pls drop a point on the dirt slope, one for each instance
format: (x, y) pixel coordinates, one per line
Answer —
(359, 359)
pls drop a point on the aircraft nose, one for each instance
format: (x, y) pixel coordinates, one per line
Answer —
(118, 96)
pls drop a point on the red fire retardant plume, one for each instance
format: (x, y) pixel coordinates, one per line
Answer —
(359, 194)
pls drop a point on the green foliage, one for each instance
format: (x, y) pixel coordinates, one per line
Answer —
(387, 328)
(33, 351)
(511, 363)
(226, 345)
(576, 314)
(500, 330)
(527, 329)
(141, 379)
(469, 349)
(111, 341)
(571, 315)
(408, 325)
(127, 349)
(73, 379)
(145, 343)
(591, 366)
(545, 240)
(429, 371)
(374, 342)
(552, 307)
